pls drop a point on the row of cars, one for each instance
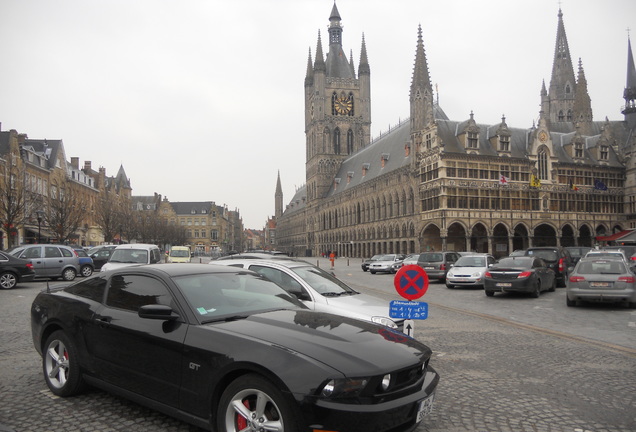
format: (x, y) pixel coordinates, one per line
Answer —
(257, 343)
(589, 275)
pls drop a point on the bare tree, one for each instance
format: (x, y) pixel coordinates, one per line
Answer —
(64, 211)
(15, 199)
(108, 214)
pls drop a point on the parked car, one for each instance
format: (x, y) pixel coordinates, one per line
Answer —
(601, 280)
(320, 290)
(133, 254)
(101, 255)
(411, 259)
(50, 261)
(437, 264)
(557, 258)
(526, 274)
(612, 253)
(14, 270)
(469, 270)
(386, 264)
(179, 254)
(87, 265)
(367, 262)
(577, 252)
(226, 349)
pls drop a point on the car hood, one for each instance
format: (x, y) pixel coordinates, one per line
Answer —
(463, 269)
(384, 262)
(360, 306)
(343, 343)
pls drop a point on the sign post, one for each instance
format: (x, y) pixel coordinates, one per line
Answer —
(411, 282)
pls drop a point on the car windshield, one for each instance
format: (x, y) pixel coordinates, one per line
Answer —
(229, 296)
(129, 256)
(323, 282)
(607, 254)
(471, 261)
(387, 258)
(431, 257)
(601, 267)
(180, 253)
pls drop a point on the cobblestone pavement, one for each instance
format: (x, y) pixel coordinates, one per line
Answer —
(494, 377)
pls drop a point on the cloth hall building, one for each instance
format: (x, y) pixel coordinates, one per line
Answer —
(433, 183)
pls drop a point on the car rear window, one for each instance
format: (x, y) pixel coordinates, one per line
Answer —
(545, 254)
(602, 267)
(431, 257)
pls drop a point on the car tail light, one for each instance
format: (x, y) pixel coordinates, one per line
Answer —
(524, 274)
(577, 278)
(487, 274)
(628, 279)
(561, 265)
(633, 258)
(29, 265)
(442, 267)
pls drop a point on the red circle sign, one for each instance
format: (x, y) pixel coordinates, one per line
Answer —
(411, 282)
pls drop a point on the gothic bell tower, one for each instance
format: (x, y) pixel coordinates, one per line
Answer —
(337, 109)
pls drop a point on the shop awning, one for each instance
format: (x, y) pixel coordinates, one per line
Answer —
(613, 237)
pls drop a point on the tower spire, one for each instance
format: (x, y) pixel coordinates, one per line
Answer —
(630, 88)
(421, 94)
(562, 89)
(278, 198)
(582, 108)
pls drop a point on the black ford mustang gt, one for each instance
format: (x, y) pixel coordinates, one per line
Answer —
(227, 350)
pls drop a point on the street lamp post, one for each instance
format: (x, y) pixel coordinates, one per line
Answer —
(39, 216)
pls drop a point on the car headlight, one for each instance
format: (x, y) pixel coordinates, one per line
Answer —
(384, 321)
(476, 275)
(450, 274)
(343, 387)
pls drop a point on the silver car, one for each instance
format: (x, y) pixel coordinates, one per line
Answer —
(601, 280)
(469, 270)
(49, 260)
(319, 290)
(388, 263)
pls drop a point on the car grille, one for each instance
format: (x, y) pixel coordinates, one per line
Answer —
(404, 382)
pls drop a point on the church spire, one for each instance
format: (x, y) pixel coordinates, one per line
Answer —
(309, 75)
(278, 198)
(562, 83)
(630, 88)
(319, 62)
(363, 68)
(582, 103)
(421, 94)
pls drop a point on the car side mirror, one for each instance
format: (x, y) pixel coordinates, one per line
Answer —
(156, 311)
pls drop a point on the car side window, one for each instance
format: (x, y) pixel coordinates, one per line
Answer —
(154, 256)
(90, 288)
(130, 292)
(281, 278)
(52, 252)
(67, 253)
(32, 252)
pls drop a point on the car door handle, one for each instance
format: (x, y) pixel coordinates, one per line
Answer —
(103, 321)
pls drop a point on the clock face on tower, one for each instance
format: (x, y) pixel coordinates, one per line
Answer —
(343, 105)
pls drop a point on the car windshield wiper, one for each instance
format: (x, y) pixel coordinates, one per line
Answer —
(226, 318)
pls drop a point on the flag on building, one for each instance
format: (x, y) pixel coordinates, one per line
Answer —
(503, 180)
(599, 185)
(534, 181)
(573, 186)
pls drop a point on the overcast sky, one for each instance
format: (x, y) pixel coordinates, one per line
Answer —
(203, 100)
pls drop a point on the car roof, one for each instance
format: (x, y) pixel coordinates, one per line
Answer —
(137, 246)
(175, 270)
(289, 263)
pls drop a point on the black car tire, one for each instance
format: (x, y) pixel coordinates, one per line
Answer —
(69, 274)
(569, 302)
(243, 392)
(372, 272)
(8, 280)
(363, 269)
(490, 293)
(449, 285)
(537, 290)
(60, 365)
(553, 286)
(86, 270)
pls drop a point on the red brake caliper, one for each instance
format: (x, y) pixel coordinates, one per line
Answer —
(241, 422)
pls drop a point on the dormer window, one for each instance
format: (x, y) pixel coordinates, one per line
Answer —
(504, 143)
(383, 159)
(349, 176)
(472, 141)
(365, 168)
(604, 153)
(578, 150)
(429, 141)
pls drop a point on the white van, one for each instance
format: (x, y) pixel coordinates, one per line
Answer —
(133, 254)
(179, 254)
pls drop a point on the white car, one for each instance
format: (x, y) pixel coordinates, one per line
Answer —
(388, 263)
(319, 290)
(133, 254)
(469, 270)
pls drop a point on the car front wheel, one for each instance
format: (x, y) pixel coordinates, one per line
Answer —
(8, 280)
(251, 403)
(69, 274)
(87, 271)
(60, 365)
(490, 293)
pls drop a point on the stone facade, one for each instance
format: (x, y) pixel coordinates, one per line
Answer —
(432, 183)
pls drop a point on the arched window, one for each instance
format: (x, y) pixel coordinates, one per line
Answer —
(349, 141)
(569, 117)
(543, 164)
(561, 116)
(336, 141)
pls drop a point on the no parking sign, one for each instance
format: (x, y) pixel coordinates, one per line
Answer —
(411, 282)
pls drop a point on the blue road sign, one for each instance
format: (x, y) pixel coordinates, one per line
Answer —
(408, 309)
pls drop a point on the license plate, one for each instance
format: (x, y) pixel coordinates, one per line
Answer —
(425, 408)
(504, 284)
(429, 268)
(599, 284)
